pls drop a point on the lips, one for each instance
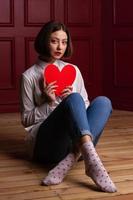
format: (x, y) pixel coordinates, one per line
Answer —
(58, 53)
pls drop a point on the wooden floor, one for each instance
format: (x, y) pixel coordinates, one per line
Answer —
(20, 179)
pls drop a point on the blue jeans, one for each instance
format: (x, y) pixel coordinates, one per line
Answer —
(67, 124)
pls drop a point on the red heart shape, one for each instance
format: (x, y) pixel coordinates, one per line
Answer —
(63, 78)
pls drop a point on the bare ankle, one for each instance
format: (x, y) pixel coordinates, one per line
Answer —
(85, 138)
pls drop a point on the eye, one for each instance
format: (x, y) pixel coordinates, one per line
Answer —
(53, 41)
(64, 42)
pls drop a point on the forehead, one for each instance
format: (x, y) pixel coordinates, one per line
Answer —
(59, 34)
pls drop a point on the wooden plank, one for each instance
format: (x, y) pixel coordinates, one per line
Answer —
(21, 179)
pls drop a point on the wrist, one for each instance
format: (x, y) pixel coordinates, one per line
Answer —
(51, 103)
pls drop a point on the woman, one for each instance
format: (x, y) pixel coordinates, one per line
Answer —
(62, 127)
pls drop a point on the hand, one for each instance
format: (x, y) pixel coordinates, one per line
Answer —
(66, 92)
(49, 91)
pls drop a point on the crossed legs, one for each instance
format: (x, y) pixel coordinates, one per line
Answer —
(88, 125)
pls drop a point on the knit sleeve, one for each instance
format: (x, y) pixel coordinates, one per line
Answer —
(81, 88)
(30, 112)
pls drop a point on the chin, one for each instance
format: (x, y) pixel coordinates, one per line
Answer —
(57, 57)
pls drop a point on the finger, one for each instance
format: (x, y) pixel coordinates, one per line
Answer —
(51, 90)
(44, 84)
(65, 94)
(52, 83)
(69, 87)
(52, 86)
(67, 90)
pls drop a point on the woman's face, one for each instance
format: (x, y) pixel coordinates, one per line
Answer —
(58, 44)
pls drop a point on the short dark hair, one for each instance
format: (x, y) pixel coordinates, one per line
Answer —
(43, 39)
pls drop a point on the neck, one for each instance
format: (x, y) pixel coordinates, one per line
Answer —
(48, 60)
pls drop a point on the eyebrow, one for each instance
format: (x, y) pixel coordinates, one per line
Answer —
(58, 38)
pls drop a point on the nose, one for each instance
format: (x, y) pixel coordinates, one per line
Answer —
(59, 45)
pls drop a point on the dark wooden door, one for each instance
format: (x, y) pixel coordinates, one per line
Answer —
(118, 52)
(20, 20)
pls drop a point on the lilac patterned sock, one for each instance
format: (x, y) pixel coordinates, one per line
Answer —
(58, 173)
(95, 169)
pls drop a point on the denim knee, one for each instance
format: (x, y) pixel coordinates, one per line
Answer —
(76, 98)
(104, 102)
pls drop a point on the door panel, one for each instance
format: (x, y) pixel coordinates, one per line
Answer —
(21, 20)
(118, 52)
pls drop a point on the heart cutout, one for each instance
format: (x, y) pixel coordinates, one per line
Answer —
(63, 78)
